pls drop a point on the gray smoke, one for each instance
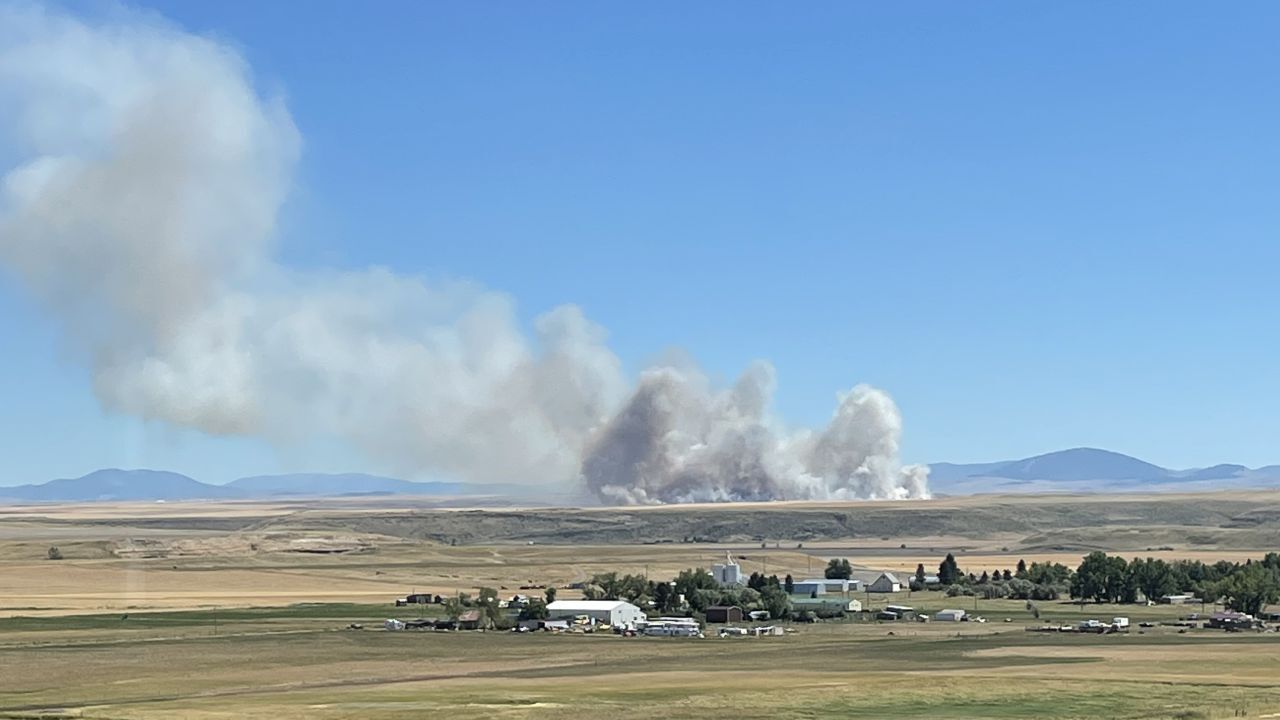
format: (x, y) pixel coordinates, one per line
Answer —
(675, 441)
(143, 177)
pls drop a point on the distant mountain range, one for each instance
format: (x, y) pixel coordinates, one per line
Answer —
(1090, 470)
(1076, 470)
(113, 484)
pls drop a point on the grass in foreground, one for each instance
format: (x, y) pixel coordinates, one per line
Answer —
(825, 671)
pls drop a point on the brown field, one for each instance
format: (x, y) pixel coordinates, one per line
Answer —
(221, 610)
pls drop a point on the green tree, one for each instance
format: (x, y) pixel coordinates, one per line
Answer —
(54, 553)
(534, 610)
(776, 601)
(454, 606)
(550, 594)
(789, 584)
(689, 582)
(949, 570)
(1048, 573)
(487, 601)
(1100, 578)
(920, 574)
(1022, 569)
(1249, 588)
(838, 569)
(1154, 578)
(664, 598)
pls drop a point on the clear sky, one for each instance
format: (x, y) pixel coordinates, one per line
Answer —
(1036, 225)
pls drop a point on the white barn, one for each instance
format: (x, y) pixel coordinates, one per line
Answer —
(886, 583)
(615, 613)
(949, 615)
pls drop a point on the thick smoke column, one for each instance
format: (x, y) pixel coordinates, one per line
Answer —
(676, 441)
(142, 179)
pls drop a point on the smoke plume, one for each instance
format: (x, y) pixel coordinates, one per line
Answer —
(142, 178)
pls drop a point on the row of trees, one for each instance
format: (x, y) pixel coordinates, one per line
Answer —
(1245, 587)
(699, 589)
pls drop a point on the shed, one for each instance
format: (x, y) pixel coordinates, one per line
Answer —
(470, 620)
(886, 583)
(949, 615)
(724, 614)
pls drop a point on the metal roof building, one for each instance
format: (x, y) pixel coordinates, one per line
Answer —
(616, 613)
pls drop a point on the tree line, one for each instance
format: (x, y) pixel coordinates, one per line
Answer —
(1245, 587)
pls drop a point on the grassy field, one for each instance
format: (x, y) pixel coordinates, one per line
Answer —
(173, 666)
(240, 610)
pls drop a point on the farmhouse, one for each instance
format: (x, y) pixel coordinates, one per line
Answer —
(615, 613)
(949, 615)
(724, 614)
(886, 583)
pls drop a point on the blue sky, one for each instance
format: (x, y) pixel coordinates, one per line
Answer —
(1037, 226)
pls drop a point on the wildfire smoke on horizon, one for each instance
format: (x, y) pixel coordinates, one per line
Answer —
(143, 174)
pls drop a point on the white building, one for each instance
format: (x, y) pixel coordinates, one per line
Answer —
(671, 627)
(826, 603)
(886, 583)
(949, 615)
(728, 573)
(809, 587)
(826, 585)
(615, 613)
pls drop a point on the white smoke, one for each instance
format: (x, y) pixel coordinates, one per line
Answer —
(143, 176)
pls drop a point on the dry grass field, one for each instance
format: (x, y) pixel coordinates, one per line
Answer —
(228, 610)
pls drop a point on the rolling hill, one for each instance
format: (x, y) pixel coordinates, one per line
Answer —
(1091, 470)
(115, 484)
